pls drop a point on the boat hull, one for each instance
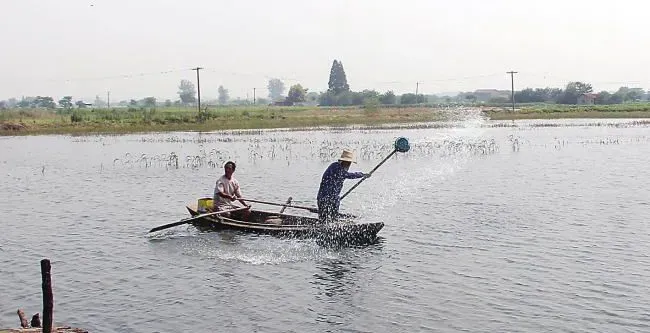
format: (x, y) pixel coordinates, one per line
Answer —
(344, 232)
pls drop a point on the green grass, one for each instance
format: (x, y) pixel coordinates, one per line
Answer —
(134, 120)
(558, 111)
(79, 121)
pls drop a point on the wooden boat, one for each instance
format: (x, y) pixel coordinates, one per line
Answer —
(344, 231)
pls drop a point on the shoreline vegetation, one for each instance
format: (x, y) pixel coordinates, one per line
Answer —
(21, 121)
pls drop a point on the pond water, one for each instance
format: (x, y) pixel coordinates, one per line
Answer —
(524, 226)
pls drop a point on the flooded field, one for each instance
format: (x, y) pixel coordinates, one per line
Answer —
(522, 226)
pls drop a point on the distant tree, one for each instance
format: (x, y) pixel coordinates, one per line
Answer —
(327, 98)
(133, 102)
(338, 82)
(312, 97)
(44, 102)
(603, 97)
(631, 94)
(344, 99)
(149, 102)
(538, 95)
(407, 99)
(223, 95)
(584, 88)
(3, 105)
(470, 98)
(498, 100)
(388, 98)
(330, 98)
(80, 104)
(369, 95)
(411, 98)
(66, 102)
(25, 102)
(262, 101)
(355, 98)
(371, 104)
(615, 98)
(528, 95)
(12, 102)
(296, 94)
(187, 92)
(276, 89)
(168, 103)
(573, 90)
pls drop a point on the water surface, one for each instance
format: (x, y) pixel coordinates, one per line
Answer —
(488, 229)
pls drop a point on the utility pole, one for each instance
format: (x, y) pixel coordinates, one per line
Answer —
(108, 99)
(512, 81)
(198, 86)
(417, 86)
(254, 96)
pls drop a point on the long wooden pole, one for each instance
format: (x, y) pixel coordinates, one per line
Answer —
(312, 209)
(188, 220)
(370, 173)
(48, 297)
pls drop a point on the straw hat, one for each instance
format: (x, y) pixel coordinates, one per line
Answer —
(347, 156)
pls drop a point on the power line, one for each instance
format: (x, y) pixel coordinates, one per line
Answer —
(440, 80)
(121, 76)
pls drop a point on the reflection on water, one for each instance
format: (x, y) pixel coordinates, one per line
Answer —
(338, 277)
(341, 284)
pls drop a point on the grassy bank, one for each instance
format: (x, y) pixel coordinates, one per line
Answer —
(557, 111)
(132, 120)
(22, 121)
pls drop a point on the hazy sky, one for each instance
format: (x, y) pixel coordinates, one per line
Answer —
(82, 47)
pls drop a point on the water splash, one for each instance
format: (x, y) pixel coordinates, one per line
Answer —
(446, 153)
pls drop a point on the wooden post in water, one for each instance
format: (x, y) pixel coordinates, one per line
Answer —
(23, 320)
(48, 297)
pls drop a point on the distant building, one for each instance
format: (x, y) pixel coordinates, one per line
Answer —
(587, 99)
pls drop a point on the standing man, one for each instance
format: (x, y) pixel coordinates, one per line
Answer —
(227, 190)
(331, 184)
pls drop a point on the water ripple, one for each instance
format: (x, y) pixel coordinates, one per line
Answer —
(547, 236)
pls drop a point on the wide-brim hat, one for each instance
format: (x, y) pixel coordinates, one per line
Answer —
(347, 156)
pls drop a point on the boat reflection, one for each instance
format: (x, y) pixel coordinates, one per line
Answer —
(342, 277)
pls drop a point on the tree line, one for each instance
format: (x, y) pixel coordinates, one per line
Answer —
(574, 90)
(339, 93)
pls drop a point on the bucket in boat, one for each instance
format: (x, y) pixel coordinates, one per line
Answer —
(204, 205)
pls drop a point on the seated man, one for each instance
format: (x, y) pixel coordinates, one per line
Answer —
(227, 190)
(331, 184)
